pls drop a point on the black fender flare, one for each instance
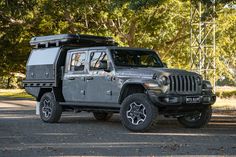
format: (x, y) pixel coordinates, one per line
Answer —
(130, 82)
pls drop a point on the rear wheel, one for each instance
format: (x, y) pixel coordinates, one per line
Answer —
(138, 113)
(103, 116)
(50, 110)
(197, 120)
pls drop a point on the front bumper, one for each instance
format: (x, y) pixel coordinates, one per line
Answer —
(181, 100)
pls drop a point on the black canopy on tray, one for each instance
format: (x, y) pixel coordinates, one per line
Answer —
(71, 40)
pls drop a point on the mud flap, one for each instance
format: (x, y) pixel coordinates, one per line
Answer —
(37, 107)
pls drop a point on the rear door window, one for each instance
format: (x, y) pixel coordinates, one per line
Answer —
(77, 63)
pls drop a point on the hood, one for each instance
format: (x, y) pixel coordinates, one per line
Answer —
(148, 72)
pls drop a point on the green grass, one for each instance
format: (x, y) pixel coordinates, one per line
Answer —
(226, 103)
(14, 94)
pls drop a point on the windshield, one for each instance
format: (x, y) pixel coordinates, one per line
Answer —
(135, 58)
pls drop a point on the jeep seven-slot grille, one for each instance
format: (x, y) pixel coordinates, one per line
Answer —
(183, 84)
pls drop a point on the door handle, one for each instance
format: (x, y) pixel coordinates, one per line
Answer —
(89, 78)
(71, 78)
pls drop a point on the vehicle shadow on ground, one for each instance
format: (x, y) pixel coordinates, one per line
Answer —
(23, 134)
(223, 121)
(217, 123)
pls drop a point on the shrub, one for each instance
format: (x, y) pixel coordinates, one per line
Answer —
(226, 94)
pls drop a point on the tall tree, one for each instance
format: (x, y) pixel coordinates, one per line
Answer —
(162, 25)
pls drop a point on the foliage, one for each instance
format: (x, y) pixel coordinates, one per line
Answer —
(226, 94)
(162, 25)
(12, 81)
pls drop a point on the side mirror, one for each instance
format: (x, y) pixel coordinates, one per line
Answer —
(109, 67)
(103, 65)
(165, 65)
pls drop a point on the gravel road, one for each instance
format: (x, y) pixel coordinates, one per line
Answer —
(22, 133)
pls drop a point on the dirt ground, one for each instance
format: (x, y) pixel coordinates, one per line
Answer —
(22, 133)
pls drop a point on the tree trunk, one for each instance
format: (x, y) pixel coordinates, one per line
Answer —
(131, 34)
(9, 82)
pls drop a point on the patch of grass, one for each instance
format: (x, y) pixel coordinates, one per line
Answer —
(226, 98)
(221, 103)
(14, 94)
(226, 92)
(225, 104)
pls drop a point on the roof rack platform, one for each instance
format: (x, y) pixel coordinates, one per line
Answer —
(71, 40)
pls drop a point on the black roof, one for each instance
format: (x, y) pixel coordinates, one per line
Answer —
(71, 40)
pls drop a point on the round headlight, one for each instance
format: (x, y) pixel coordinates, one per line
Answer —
(163, 80)
(206, 84)
(199, 80)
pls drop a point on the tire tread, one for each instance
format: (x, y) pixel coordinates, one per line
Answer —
(154, 118)
(56, 115)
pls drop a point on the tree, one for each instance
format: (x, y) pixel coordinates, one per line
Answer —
(162, 25)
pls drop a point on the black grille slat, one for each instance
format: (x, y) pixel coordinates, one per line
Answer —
(179, 83)
(188, 83)
(171, 83)
(194, 84)
(183, 84)
(186, 86)
(175, 83)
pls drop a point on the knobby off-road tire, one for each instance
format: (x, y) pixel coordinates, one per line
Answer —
(50, 110)
(102, 116)
(196, 120)
(138, 113)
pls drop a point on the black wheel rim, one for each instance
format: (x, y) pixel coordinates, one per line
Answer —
(136, 113)
(47, 108)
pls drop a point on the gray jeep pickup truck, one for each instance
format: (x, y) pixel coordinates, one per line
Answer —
(89, 73)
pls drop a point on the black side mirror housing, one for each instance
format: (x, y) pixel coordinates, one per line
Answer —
(102, 64)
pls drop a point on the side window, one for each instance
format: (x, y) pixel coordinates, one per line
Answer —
(77, 61)
(98, 60)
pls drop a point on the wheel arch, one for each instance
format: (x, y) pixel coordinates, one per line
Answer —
(129, 88)
(42, 91)
(56, 92)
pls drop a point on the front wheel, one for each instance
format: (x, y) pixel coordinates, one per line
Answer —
(197, 120)
(50, 110)
(138, 113)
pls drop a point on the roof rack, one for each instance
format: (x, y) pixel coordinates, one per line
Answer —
(71, 40)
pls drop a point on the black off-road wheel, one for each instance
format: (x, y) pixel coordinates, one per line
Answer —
(50, 110)
(102, 116)
(196, 120)
(138, 113)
